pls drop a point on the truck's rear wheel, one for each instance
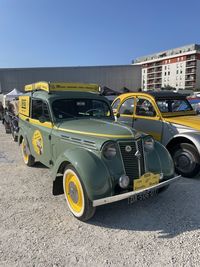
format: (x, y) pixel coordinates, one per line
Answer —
(186, 159)
(76, 196)
(28, 159)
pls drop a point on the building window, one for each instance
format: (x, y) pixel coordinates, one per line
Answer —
(177, 72)
(181, 71)
(168, 72)
(165, 73)
(165, 67)
(178, 59)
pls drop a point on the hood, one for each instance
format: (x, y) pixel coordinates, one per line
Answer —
(188, 121)
(95, 128)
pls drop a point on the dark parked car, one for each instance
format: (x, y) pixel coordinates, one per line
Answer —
(195, 102)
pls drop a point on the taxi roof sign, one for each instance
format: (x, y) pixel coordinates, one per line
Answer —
(62, 86)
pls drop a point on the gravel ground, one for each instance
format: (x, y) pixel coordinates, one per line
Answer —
(36, 228)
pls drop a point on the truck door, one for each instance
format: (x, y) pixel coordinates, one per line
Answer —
(146, 118)
(40, 133)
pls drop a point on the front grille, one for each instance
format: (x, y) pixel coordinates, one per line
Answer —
(134, 166)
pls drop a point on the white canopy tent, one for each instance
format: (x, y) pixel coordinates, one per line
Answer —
(11, 95)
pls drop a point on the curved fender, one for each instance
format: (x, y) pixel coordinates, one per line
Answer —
(159, 160)
(91, 169)
(194, 137)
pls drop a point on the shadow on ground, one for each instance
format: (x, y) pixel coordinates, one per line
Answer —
(171, 213)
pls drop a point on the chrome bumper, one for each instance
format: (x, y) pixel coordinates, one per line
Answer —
(119, 197)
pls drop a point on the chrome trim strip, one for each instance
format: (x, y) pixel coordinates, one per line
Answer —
(138, 158)
(119, 197)
(121, 156)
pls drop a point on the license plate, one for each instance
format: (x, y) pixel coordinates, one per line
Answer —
(145, 181)
(142, 196)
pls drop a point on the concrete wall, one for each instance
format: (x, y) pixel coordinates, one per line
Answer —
(114, 77)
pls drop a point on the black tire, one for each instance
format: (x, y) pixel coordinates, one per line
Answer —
(28, 159)
(78, 202)
(186, 160)
(14, 136)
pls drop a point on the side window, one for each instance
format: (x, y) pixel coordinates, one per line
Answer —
(40, 110)
(145, 108)
(127, 107)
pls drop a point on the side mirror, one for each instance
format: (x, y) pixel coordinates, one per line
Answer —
(118, 115)
(42, 119)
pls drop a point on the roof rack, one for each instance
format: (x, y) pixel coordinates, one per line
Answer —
(62, 86)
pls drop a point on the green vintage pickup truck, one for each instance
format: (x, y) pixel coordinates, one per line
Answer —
(70, 128)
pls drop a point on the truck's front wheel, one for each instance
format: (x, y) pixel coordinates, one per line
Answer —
(76, 196)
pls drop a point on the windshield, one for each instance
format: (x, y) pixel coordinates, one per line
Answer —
(173, 105)
(81, 108)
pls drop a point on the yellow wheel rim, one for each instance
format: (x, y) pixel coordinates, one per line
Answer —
(24, 153)
(73, 192)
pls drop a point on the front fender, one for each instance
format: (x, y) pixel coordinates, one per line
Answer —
(92, 171)
(159, 160)
(194, 137)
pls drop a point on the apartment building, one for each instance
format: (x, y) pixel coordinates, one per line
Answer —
(178, 68)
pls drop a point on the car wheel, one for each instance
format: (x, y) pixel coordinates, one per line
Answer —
(186, 159)
(14, 136)
(28, 159)
(76, 196)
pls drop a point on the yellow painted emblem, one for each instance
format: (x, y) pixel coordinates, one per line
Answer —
(145, 181)
(37, 142)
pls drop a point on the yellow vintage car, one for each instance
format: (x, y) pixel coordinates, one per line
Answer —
(170, 119)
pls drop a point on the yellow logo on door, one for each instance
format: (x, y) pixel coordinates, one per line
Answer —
(37, 142)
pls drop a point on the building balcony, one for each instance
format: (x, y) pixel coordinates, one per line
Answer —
(190, 71)
(190, 64)
(150, 76)
(190, 77)
(158, 74)
(189, 83)
(191, 58)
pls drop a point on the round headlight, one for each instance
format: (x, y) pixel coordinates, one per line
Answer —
(124, 181)
(149, 143)
(109, 150)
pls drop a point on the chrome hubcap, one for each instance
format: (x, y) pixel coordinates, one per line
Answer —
(73, 192)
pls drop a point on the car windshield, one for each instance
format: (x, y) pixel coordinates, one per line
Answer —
(81, 108)
(173, 105)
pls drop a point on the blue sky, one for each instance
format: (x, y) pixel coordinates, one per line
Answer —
(36, 33)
